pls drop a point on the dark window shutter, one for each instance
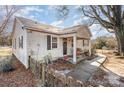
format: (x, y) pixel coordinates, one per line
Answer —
(83, 43)
(21, 41)
(48, 42)
(15, 43)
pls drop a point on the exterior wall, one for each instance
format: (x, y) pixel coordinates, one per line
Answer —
(20, 53)
(83, 32)
(37, 46)
(69, 46)
(80, 45)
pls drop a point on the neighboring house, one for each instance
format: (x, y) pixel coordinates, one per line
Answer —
(30, 38)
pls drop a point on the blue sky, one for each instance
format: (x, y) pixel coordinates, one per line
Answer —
(48, 15)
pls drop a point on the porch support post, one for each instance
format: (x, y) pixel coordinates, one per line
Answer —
(89, 47)
(74, 49)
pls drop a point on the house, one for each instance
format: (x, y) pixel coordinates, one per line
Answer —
(30, 38)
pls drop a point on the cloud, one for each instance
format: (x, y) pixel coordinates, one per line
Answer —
(77, 22)
(77, 6)
(57, 23)
(33, 9)
(75, 16)
(43, 22)
(52, 7)
(25, 11)
(97, 30)
(81, 20)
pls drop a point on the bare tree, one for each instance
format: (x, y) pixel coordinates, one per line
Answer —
(110, 17)
(8, 12)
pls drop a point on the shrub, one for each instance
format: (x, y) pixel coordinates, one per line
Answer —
(93, 51)
(7, 68)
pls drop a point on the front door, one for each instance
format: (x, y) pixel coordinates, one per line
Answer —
(65, 46)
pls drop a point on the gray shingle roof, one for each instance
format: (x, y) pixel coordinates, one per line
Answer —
(49, 28)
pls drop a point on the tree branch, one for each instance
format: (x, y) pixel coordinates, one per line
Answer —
(106, 12)
(7, 17)
(101, 21)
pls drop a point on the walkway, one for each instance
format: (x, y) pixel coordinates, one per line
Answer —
(84, 70)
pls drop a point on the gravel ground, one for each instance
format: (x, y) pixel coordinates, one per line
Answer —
(20, 77)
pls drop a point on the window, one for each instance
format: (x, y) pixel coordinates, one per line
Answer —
(48, 42)
(19, 42)
(21, 45)
(54, 42)
(83, 43)
(87, 42)
(15, 44)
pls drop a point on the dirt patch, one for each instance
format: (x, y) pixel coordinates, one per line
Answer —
(20, 77)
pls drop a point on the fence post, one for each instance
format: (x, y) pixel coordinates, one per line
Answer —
(43, 74)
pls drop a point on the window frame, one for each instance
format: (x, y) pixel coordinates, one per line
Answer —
(54, 42)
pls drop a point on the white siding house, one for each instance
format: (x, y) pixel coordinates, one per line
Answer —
(18, 51)
(30, 38)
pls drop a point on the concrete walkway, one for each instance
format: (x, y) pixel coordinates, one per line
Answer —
(84, 70)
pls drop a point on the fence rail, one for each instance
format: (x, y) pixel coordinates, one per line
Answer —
(48, 77)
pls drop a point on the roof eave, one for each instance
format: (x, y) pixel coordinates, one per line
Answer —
(45, 31)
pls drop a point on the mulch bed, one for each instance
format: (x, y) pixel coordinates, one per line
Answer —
(19, 77)
(62, 65)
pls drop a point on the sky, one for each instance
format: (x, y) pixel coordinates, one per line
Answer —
(48, 15)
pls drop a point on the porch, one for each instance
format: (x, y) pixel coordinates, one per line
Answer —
(75, 49)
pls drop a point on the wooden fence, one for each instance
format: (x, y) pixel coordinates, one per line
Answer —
(49, 77)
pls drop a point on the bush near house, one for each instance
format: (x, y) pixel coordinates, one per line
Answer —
(6, 64)
(104, 41)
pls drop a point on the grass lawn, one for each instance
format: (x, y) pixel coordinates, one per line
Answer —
(5, 51)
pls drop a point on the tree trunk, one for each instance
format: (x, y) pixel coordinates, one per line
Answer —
(118, 43)
(120, 40)
(122, 46)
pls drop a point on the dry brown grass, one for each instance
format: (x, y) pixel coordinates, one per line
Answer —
(114, 63)
(19, 77)
(114, 69)
(5, 51)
